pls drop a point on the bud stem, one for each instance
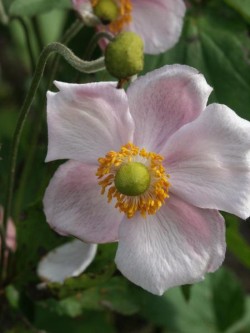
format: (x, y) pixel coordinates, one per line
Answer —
(74, 61)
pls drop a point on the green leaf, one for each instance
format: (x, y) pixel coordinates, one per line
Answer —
(242, 326)
(241, 6)
(114, 295)
(36, 7)
(35, 238)
(94, 322)
(235, 241)
(186, 291)
(228, 299)
(12, 295)
(200, 314)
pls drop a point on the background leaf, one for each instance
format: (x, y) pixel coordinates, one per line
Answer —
(36, 7)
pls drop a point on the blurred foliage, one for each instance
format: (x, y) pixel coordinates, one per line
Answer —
(216, 41)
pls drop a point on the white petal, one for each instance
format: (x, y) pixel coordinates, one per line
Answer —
(209, 161)
(159, 23)
(68, 260)
(74, 206)
(85, 121)
(176, 246)
(163, 101)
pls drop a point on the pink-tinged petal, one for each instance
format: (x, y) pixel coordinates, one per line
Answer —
(209, 161)
(85, 121)
(176, 246)
(158, 22)
(74, 206)
(10, 233)
(85, 10)
(67, 260)
(78, 4)
(164, 100)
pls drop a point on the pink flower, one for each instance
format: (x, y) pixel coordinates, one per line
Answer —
(159, 22)
(190, 160)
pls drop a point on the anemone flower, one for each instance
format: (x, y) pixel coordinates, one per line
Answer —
(149, 168)
(68, 260)
(159, 23)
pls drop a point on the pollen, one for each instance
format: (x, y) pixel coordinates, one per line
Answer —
(151, 198)
(124, 16)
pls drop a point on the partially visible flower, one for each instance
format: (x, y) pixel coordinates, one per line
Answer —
(10, 233)
(149, 167)
(159, 23)
(68, 260)
(10, 237)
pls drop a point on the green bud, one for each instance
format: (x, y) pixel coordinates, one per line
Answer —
(106, 10)
(132, 179)
(124, 55)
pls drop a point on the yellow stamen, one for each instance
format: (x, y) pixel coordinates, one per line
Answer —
(148, 202)
(124, 17)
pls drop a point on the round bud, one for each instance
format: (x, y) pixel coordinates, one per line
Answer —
(132, 179)
(124, 55)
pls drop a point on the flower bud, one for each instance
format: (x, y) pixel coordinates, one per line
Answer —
(106, 10)
(124, 55)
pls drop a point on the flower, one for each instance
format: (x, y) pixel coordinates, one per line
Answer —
(149, 167)
(159, 23)
(67, 260)
(10, 237)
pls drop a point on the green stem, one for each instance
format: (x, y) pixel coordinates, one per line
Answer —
(74, 61)
(28, 41)
(37, 31)
(94, 42)
(69, 34)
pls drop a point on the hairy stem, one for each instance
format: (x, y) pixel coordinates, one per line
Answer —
(74, 61)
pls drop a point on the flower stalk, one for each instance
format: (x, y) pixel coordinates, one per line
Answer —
(74, 61)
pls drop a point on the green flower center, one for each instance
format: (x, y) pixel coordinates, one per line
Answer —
(132, 179)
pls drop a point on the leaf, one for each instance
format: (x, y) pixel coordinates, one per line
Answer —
(200, 314)
(34, 238)
(13, 296)
(242, 326)
(235, 241)
(114, 295)
(91, 321)
(241, 6)
(186, 291)
(36, 7)
(228, 299)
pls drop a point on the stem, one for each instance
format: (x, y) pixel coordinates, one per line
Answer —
(28, 41)
(37, 31)
(94, 42)
(69, 34)
(74, 61)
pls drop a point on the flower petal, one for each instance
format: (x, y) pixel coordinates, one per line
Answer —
(74, 206)
(10, 232)
(158, 22)
(164, 100)
(209, 161)
(68, 260)
(176, 246)
(85, 121)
